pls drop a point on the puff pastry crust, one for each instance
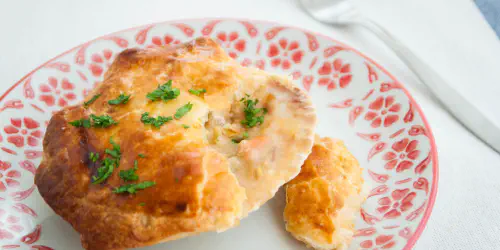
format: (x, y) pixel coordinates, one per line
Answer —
(324, 199)
(204, 181)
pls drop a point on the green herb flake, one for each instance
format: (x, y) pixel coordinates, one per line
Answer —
(142, 204)
(142, 156)
(129, 175)
(115, 152)
(108, 164)
(164, 92)
(182, 111)
(121, 99)
(81, 123)
(77, 123)
(102, 121)
(86, 123)
(244, 136)
(92, 100)
(197, 91)
(252, 117)
(134, 187)
(157, 122)
(185, 126)
(94, 156)
(106, 169)
(95, 121)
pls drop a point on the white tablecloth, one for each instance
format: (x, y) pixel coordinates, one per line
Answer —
(450, 35)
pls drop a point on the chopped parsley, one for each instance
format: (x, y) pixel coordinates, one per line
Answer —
(157, 122)
(106, 169)
(197, 91)
(164, 92)
(108, 164)
(94, 156)
(92, 100)
(121, 99)
(142, 156)
(130, 175)
(185, 126)
(95, 121)
(182, 111)
(132, 188)
(252, 117)
(115, 152)
(102, 121)
(142, 204)
(81, 123)
(239, 139)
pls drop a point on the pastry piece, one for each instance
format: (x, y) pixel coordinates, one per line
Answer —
(324, 199)
(173, 143)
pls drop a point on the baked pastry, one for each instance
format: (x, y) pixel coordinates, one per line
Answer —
(324, 199)
(172, 143)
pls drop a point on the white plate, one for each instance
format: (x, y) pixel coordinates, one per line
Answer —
(356, 99)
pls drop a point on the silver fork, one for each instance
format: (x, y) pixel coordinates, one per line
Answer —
(343, 13)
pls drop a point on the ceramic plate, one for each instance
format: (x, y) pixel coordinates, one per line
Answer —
(356, 99)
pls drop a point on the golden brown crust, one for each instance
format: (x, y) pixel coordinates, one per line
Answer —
(204, 182)
(323, 199)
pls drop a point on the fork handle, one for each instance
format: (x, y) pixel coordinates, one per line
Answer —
(464, 111)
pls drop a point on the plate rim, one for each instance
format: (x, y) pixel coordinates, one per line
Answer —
(435, 162)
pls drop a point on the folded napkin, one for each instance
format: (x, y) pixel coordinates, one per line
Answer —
(491, 11)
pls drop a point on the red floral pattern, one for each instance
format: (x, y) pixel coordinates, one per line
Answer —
(306, 80)
(9, 178)
(402, 156)
(284, 53)
(21, 129)
(100, 61)
(337, 73)
(380, 242)
(232, 42)
(383, 111)
(9, 225)
(55, 92)
(86, 92)
(260, 64)
(400, 200)
(166, 40)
